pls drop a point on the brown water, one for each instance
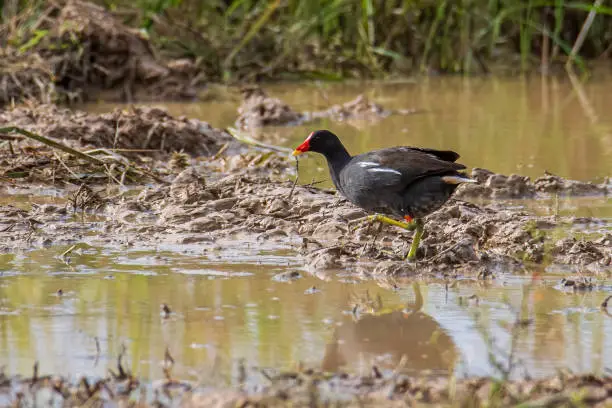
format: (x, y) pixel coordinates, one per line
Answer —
(228, 305)
(519, 125)
(233, 308)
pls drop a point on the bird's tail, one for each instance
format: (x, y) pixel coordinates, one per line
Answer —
(458, 179)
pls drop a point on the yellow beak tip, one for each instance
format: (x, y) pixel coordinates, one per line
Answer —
(296, 153)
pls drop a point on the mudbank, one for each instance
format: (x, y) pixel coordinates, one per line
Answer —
(492, 185)
(258, 109)
(309, 387)
(146, 136)
(330, 233)
(80, 52)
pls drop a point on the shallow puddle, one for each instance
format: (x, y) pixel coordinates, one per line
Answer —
(224, 309)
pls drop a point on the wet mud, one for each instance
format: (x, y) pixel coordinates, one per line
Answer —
(493, 185)
(330, 233)
(87, 53)
(142, 137)
(308, 387)
(258, 109)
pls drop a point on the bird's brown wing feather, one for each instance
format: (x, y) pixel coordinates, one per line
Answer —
(446, 155)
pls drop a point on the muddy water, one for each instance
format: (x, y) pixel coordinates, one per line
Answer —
(228, 308)
(519, 125)
(229, 303)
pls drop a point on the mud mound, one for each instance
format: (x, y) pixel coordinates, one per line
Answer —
(143, 135)
(258, 110)
(138, 128)
(360, 109)
(312, 388)
(461, 238)
(492, 185)
(86, 51)
(25, 77)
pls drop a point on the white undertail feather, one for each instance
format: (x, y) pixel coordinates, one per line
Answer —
(457, 180)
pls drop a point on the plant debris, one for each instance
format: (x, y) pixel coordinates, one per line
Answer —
(80, 52)
(308, 387)
(123, 145)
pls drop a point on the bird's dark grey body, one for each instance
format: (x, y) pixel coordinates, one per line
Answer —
(402, 181)
(407, 182)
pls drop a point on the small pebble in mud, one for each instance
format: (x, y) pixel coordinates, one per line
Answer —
(165, 311)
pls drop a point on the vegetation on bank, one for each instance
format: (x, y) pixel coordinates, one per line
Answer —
(255, 39)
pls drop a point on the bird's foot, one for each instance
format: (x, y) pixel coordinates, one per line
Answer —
(386, 220)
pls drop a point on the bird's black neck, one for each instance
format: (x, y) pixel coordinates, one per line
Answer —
(336, 161)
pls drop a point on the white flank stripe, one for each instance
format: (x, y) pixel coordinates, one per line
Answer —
(457, 180)
(367, 164)
(384, 170)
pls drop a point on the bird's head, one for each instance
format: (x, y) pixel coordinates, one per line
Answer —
(320, 141)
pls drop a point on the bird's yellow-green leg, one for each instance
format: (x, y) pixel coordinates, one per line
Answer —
(381, 218)
(415, 240)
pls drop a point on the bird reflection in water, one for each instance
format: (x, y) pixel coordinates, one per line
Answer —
(384, 338)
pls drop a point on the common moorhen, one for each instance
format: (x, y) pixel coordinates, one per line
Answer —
(408, 182)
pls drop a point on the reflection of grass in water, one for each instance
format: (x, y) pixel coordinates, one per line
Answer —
(127, 307)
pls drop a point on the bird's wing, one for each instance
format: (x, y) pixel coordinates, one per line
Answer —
(396, 168)
(446, 155)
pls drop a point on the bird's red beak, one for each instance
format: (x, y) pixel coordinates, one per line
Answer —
(304, 147)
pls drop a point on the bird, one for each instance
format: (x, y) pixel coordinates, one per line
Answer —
(403, 182)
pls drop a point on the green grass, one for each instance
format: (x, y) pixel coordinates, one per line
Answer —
(259, 39)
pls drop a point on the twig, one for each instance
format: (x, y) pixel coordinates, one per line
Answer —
(52, 143)
(297, 176)
(243, 138)
(116, 138)
(221, 151)
(59, 159)
(68, 251)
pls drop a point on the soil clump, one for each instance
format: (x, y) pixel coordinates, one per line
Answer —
(258, 109)
(139, 136)
(80, 52)
(311, 388)
(499, 186)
